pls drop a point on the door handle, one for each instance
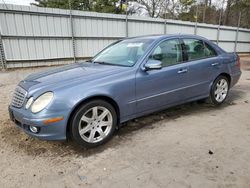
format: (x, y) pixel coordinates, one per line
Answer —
(214, 64)
(182, 71)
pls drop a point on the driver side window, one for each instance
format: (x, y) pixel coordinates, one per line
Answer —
(168, 52)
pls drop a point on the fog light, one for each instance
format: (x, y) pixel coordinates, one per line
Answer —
(34, 129)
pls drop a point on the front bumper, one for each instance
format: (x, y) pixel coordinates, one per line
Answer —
(53, 131)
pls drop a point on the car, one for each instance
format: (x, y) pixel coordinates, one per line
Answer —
(130, 78)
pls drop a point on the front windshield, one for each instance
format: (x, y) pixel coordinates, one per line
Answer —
(123, 53)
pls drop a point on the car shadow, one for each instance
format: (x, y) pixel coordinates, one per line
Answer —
(176, 112)
(18, 141)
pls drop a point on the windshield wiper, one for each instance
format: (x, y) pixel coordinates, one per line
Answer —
(89, 60)
(107, 63)
(103, 63)
(99, 62)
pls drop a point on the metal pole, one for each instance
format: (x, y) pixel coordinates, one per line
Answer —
(218, 31)
(72, 32)
(237, 33)
(126, 20)
(2, 55)
(165, 21)
(196, 19)
(165, 26)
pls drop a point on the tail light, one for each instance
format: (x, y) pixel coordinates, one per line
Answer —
(238, 62)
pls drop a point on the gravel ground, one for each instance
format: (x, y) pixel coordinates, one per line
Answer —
(192, 145)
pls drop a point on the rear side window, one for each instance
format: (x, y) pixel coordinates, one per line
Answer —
(209, 51)
(197, 49)
(168, 52)
(194, 48)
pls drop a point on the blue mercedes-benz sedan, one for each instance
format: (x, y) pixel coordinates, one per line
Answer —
(130, 78)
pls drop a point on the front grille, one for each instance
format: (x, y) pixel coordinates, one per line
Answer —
(18, 97)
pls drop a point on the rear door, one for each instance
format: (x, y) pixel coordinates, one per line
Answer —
(157, 88)
(203, 64)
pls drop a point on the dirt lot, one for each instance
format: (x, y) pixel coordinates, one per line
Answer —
(166, 149)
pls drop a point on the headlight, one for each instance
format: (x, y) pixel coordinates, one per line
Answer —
(41, 102)
(29, 102)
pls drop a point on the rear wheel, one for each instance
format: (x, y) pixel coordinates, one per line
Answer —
(93, 123)
(219, 90)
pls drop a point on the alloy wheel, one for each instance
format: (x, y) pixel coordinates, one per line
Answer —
(95, 124)
(221, 90)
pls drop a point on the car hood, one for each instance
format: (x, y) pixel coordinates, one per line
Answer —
(64, 75)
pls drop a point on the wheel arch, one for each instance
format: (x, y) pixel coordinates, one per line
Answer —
(84, 101)
(211, 95)
(221, 74)
(226, 75)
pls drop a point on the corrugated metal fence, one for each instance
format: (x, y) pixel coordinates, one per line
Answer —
(32, 36)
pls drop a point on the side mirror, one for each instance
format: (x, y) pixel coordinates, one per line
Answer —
(152, 64)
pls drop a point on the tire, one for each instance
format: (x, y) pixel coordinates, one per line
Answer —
(219, 90)
(93, 123)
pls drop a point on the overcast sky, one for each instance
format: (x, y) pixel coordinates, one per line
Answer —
(17, 2)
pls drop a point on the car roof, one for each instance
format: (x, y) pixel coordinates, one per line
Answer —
(160, 36)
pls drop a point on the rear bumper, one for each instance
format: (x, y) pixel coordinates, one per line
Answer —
(53, 131)
(235, 78)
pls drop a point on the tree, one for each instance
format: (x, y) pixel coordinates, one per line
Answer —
(108, 6)
(193, 10)
(233, 8)
(171, 8)
(207, 11)
(64, 4)
(228, 9)
(204, 10)
(153, 7)
(187, 10)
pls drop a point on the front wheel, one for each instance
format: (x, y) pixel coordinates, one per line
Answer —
(93, 123)
(219, 90)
